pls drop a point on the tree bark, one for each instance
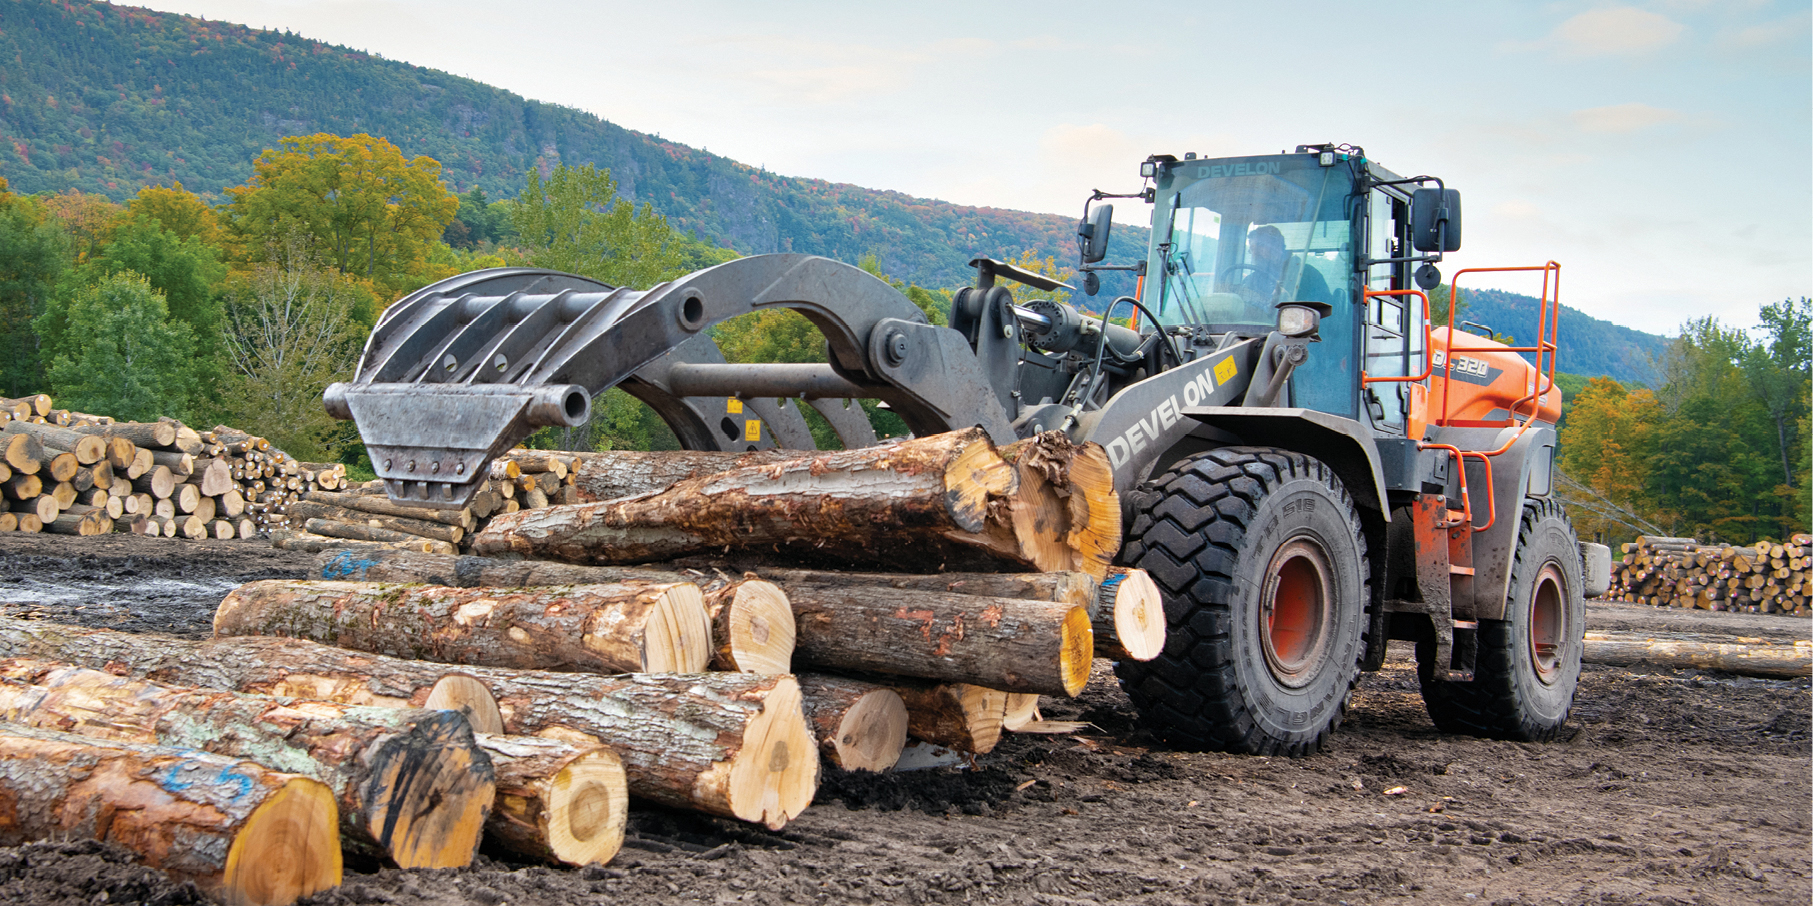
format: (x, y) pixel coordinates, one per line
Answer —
(93, 522)
(556, 802)
(87, 449)
(304, 509)
(850, 504)
(318, 543)
(241, 832)
(358, 531)
(380, 505)
(1002, 643)
(1745, 658)
(751, 619)
(730, 744)
(960, 716)
(612, 474)
(859, 726)
(142, 434)
(180, 464)
(627, 627)
(1057, 587)
(411, 786)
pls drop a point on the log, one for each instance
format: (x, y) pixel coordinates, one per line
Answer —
(358, 531)
(159, 483)
(1065, 513)
(960, 716)
(30, 523)
(625, 627)
(141, 462)
(317, 543)
(180, 464)
(242, 833)
(529, 461)
(556, 802)
(93, 522)
(305, 509)
(9, 521)
(187, 439)
(859, 726)
(63, 493)
(231, 504)
(1022, 716)
(1059, 587)
(88, 449)
(24, 486)
(681, 736)
(62, 466)
(612, 474)
(848, 504)
(22, 453)
(141, 434)
(136, 525)
(752, 620)
(411, 785)
(1130, 618)
(216, 477)
(187, 496)
(1002, 643)
(381, 506)
(1745, 657)
(41, 509)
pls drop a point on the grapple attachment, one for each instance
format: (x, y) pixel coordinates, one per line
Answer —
(463, 370)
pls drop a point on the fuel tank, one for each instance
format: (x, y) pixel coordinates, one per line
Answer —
(1488, 384)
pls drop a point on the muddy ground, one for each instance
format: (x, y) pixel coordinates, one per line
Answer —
(1667, 788)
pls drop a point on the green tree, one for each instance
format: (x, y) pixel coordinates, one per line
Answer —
(293, 326)
(364, 208)
(1777, 370)
(127, 357)
(33, 255)
(575, 222)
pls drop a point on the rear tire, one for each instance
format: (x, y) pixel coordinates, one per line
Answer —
(1262, 564)
(1528, 664)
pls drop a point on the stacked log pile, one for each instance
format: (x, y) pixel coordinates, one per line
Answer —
(79, 474)
(1766, 577)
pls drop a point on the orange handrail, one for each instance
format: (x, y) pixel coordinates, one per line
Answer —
(1428, 339)
(1547, 334)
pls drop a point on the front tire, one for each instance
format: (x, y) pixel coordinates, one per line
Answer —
(1528, 664)
(1262, 564)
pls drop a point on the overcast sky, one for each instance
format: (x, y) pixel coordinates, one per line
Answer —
(1660, 151)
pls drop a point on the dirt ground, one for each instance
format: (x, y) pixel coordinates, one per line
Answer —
(1666, 788)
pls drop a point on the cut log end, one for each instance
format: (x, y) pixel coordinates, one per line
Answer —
(974, 475)
(433, 797)
(761, 631)
(465, 694)
(873, 732)
(288, 849)
(774, 775)
(587, 803)
(1136, 613)
(678, 637)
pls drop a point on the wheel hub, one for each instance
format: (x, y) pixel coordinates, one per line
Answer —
(1296, 612)
(1548, 625)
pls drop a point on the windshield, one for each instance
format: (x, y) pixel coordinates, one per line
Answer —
(1247, 234)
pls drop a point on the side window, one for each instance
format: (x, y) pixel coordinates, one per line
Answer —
(1392, 322)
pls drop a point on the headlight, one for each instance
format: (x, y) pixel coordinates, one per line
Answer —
(1298, 320)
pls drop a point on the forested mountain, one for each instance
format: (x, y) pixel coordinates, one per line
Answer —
(108, 98)
(1588, 346)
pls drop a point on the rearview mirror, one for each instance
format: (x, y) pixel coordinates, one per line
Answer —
(1095, 233)
(1435, 220)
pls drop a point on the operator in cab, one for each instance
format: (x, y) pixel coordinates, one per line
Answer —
(1274, 269)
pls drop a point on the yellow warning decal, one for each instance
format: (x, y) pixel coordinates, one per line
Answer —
(1225, 370)
(734, 406)
(752, 430)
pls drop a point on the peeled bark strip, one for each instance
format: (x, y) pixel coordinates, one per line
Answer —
(859, 726)
(639, 627)
(1003, 643)
(960, 716)
(613, 474)
(729, 744)
(557, 802)
(751, 619)
(1745, 657)
(381, 505)
(241, 832)
(410, 785)
(418, 527)
(1130, 618)
(849, 504)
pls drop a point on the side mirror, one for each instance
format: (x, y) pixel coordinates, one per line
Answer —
(1435, 220)
(1095, 233)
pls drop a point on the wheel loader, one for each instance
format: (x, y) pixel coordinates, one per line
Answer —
(1310, 469)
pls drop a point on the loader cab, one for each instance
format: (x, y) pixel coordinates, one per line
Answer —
(1234, 237)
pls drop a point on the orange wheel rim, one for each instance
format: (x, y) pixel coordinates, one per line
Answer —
(1548, 625)
(1296, 613)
